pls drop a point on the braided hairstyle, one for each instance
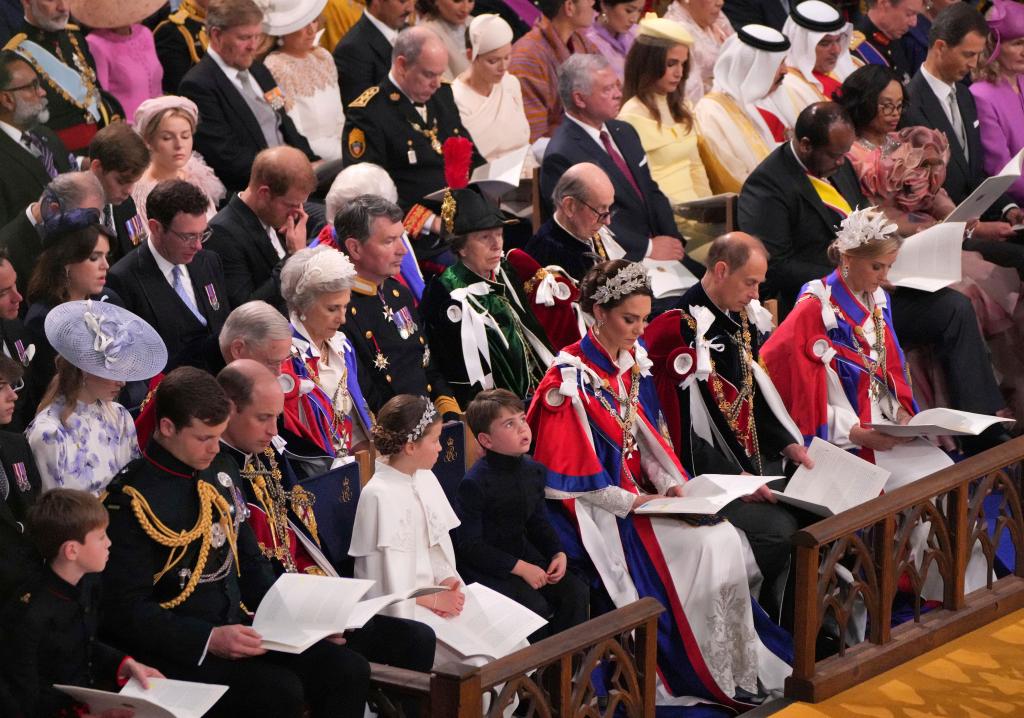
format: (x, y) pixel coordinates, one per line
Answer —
(397, 419)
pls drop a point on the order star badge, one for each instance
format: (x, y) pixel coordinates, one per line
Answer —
(380, 361)
(389, 313)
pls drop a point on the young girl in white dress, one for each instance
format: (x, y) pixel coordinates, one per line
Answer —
(400, 537)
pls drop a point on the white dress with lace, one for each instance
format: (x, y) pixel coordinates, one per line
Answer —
(312, 98)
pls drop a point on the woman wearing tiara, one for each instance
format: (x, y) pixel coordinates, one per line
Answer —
(601, 435)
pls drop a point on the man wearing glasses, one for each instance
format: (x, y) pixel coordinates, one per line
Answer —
(169, 280)
(30, 152)
(571, 239)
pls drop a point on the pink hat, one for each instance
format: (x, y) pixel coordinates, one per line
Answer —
(1006, 20)
(153, 107)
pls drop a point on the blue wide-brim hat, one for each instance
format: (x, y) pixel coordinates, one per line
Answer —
(105, 340)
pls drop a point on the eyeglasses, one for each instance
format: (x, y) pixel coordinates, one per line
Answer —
(888, 108)
(34, 84)
(601, 216)
(192, 238)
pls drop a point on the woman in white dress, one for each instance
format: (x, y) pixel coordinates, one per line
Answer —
(490, 102)
(306, 74)
(167, 125)
(82, 437)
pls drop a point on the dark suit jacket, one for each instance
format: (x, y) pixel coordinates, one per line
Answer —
(18, 557)
(13, 333)
(228, 135)
(252, 269)
(23, 245)
(554, 245)
(24, 176)
(144, 290)
(363, 58)
(779, 205)
(963, 173)
(635, 220)
(123, 213)
(762, 12)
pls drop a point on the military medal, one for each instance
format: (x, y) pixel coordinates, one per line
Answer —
(389, 313)
(183, 576)
(217, 535)
(211, 295)
(380, 362)
(224, 479)
(404, 321)
(21, 477)
(24, 355)
(136, 230)
(412, 157)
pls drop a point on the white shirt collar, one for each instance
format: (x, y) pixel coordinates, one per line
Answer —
(390, 34)
(588, 242)
(11, 131)
(594, 133)
(231, 72)
(166, 268)
(393, 81)
(792, 148)
(941, 89)
(246, 458)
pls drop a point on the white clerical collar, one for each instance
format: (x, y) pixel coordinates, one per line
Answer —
(389, 33)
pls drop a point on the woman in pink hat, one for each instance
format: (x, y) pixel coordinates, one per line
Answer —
(998, 90)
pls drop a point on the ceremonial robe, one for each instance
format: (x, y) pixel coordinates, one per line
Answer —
(708, 642)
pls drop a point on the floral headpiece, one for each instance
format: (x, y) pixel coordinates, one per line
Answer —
(862, 226)
(429, 414)
(625, 281)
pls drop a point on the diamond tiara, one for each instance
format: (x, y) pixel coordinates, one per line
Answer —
(429, 414)
(625, 281)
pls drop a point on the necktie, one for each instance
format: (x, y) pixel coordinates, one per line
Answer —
(41, 150)
(261, 110)
(956, 120)
(5, 484)
(108, 219)
(606, 140)
(179, 289)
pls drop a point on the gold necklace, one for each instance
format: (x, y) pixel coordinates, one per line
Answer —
(630, 403)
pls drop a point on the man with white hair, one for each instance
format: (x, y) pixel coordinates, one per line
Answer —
(641, 217)
(819, 57)
(739, 123)
(58, 50)
(401, 124)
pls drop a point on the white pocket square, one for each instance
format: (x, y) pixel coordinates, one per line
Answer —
(977, 122)
(643, 161)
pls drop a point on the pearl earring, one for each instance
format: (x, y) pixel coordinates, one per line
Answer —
(302, 317)
(846, 271)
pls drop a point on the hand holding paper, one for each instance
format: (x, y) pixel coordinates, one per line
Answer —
(706, 494)
(838, 481)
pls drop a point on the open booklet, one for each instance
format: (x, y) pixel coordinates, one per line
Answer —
(988, 192)
(301, 609)
(707, 494)
(930, 259)
(838, 481)
(941, 422)
(490, 625)
(163, 699)
(496, 178)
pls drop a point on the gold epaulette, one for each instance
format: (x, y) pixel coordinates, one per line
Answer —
(364, 99)
(15, 41)
(856, 39)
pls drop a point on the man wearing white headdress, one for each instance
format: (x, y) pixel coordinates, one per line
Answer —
(738, 121)
(819, 57)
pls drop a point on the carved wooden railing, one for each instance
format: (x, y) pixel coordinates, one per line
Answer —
(872, 544)
(554, 677)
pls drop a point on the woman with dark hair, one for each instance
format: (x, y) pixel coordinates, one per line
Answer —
(72, 266)
(448, 19)
(654, 104)
(600, 433)
(614, 30)
(710, 28)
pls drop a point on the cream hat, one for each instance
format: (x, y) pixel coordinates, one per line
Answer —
(487, 33)
(662, 30)
(283, 17)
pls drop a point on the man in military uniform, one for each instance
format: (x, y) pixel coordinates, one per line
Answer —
(282, 512)
(383, 323)
(876, 40)
(59, 53)
(185, 565)
(181, 42)
(402, 124)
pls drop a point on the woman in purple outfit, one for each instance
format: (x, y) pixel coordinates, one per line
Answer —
(998, 90)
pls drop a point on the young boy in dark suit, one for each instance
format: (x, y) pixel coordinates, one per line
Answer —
(506, 541)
